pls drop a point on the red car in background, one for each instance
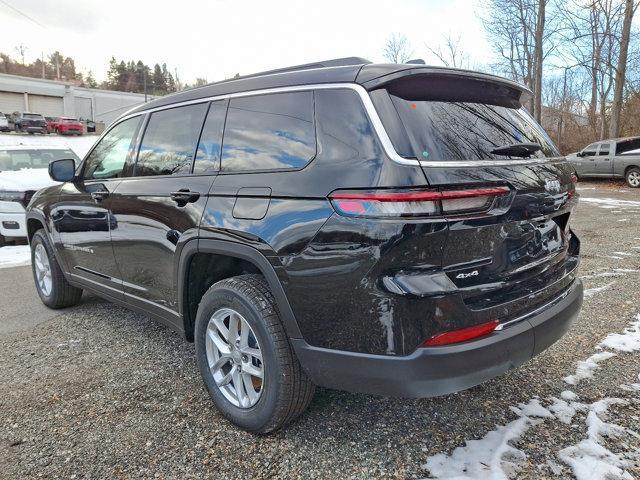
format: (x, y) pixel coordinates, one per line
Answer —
(67, 126)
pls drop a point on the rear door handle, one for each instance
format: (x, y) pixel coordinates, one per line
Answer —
(182, 197)
(99, 195)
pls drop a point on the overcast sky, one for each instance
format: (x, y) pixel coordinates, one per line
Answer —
(216, 39)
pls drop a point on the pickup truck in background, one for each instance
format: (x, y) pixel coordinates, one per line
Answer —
(615, 158)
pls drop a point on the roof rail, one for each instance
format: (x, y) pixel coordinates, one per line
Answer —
(335, 62)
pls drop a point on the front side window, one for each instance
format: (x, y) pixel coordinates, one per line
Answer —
(591, 150)
(109, 156)
(169, 141)
(269, 132)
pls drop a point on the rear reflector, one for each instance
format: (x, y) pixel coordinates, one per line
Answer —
(462, 335)
(414, 203)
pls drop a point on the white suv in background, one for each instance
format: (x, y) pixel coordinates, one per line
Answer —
(4, 123)
(23, 171)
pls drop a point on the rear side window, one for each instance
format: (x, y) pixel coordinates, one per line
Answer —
(109, 157)
(170, 140)
(208, 154)
(269, 132)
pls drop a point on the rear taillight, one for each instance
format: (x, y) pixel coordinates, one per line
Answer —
(414, 203)
(461, 335)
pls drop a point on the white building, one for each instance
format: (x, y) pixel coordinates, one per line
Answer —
(54, 98)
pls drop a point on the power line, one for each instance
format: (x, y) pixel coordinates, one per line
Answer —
(23, 14)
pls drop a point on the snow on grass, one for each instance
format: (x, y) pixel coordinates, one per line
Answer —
(590, 459)
(15, 256)
(80, 145)
(611, 202)
(627, 341)
(590, 292)
(492, 457)
(585, 368)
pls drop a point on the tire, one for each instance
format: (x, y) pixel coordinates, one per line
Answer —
(58, 293)
(285, 390)
(633, 177)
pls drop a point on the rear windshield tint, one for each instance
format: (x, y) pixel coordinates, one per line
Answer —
(428, 127)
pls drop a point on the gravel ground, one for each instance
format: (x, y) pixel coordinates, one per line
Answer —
(101, 392)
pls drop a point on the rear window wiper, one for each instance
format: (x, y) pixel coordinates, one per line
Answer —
(518, 149)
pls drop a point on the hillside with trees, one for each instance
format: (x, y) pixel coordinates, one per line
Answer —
(125, 76)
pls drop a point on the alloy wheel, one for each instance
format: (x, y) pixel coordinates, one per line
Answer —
(43, 270)
(634, 179)
(234, 358)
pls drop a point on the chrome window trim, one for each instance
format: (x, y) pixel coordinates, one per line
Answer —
(381, 133)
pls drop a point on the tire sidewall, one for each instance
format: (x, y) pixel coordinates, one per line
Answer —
(256, 417)
(38, 238)
(633, 170)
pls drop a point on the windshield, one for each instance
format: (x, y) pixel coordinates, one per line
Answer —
(33, 116)
(440, 130)
(13, 160)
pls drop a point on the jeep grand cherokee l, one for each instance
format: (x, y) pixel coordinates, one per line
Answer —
(389, 229)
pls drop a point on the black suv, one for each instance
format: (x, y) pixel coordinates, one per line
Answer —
(29, 122)
(389, 229)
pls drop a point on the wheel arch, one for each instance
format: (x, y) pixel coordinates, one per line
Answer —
(630, 167)
(229, 250)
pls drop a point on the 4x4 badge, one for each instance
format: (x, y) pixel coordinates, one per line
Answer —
(467, 275)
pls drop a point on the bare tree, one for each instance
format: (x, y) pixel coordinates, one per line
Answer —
(451, 53)
(21, 50)
(522, 34)
(621, 70)
(397, 49)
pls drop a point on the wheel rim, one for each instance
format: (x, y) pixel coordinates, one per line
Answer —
(235, 358)
(634, 179)
(42, 268)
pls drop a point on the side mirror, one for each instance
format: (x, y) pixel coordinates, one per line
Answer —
(62, 170)
(580, 154)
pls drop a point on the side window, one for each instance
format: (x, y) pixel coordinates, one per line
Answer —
(604, 149)
(269, 132)
(208, 154)
(169, 141)
(591, 150)
(109, 157)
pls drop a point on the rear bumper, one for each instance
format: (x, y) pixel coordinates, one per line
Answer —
(436, 371)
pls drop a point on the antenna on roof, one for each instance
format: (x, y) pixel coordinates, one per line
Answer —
(415, 61)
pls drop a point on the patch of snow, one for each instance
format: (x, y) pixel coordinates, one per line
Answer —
(491, 457)
(628, 341)
(604, 274)
(624, 254)
(585, 188)
(626, 270)
(632, 387)
(15, 256)
(589, 459)
(585, 368)
(611, 256)
(610, 202)
(565, 410)
(569, 395)
(590, 292)
(623, 220)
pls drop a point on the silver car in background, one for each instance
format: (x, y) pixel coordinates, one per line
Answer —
(614, 158)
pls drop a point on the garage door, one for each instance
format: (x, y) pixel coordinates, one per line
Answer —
(46, 105)
(83, 108)
(11, 102)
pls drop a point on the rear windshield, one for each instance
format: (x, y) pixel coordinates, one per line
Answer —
(12, 160)
(33, 115)
(449, 119)
(69, 120)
